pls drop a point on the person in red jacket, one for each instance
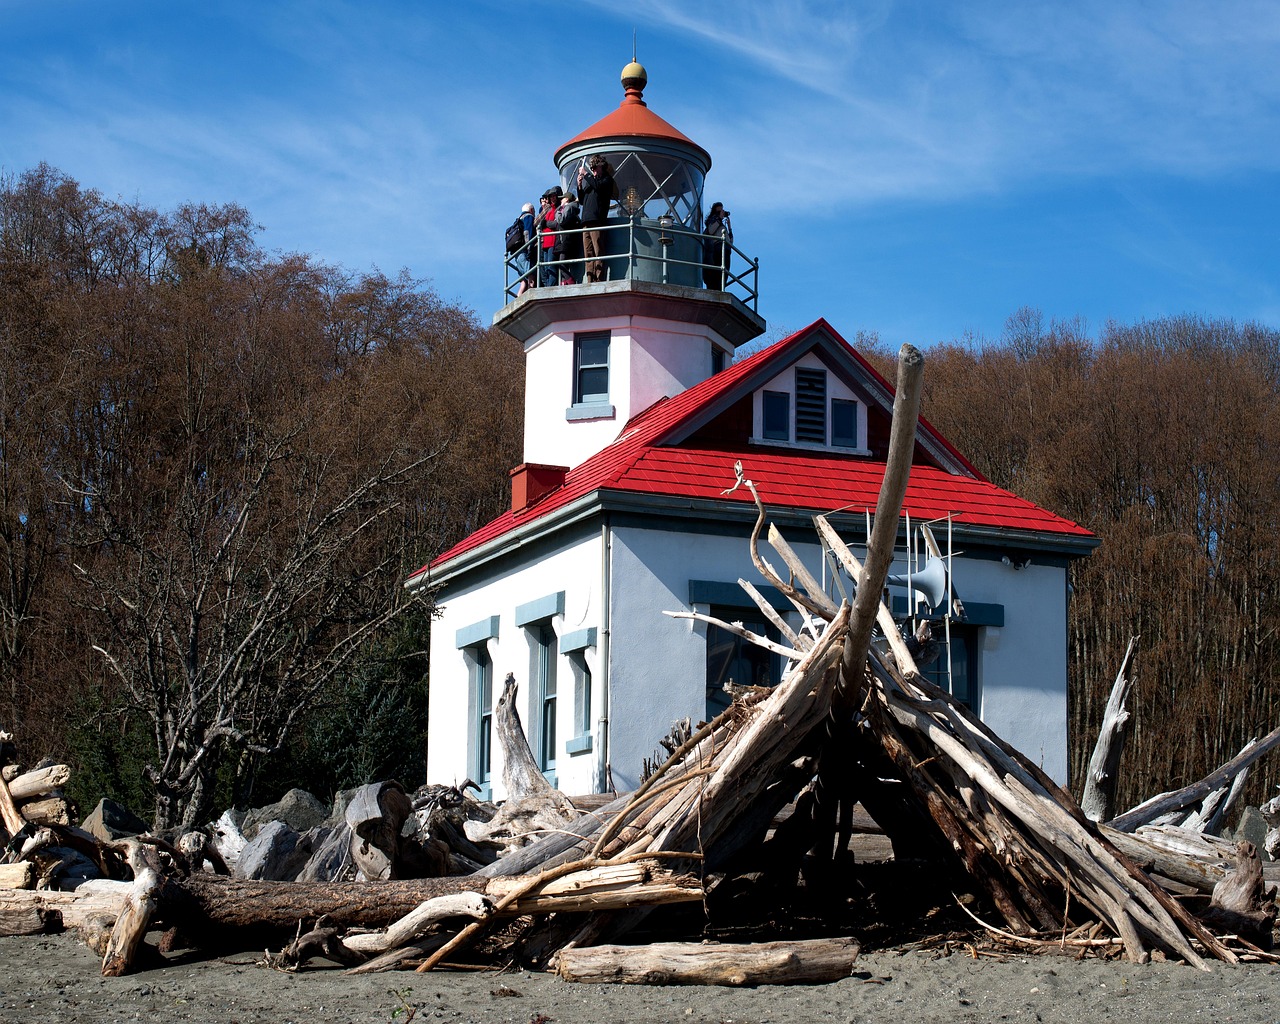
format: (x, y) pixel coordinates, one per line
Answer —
(546, 225)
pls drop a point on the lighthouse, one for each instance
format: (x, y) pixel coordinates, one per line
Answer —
(599, 353)
(624, 510)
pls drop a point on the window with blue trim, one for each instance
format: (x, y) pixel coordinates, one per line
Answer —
(482, 693)
(731, 659)
(591, 368)
(544, 688)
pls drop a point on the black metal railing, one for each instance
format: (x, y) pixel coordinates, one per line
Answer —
(638, 249)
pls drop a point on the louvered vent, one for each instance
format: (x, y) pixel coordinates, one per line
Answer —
(811, 405)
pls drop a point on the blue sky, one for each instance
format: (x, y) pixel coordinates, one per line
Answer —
(917, 169)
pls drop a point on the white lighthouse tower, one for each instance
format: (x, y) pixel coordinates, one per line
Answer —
(599, 353)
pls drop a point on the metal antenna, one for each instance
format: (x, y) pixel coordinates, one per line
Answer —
(633, 45)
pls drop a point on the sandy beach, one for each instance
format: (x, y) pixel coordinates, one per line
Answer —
(55, 978)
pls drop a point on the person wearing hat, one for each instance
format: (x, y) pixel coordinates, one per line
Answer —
(546, 225)
(525, 257)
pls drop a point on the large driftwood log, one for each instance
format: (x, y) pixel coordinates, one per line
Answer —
(693, 963)
(48, 910)
(1241, 901)
(134, 920)
(1189, 858)
(1098, 801)
(376, 814)
(214, 902)
(12, 821)
(416, 923)
(39, 781)
(16, 876)
(533, 806)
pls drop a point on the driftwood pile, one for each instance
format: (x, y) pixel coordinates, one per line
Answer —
(851, 726)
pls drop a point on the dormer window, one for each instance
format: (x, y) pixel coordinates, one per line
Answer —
(776, 412)
(844, 423)
(808, 407)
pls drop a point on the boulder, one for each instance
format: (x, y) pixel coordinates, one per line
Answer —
(268, 854)
(297, 808)
(1253, 829)
(110, 821)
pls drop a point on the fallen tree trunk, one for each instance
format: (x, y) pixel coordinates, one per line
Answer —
(39, 781)
(1241, 901)
(214, 902)
(701, 963)
(28, 911)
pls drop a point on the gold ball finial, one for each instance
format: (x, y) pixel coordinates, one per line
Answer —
(634, 76)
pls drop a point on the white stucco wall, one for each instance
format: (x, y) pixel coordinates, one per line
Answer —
(575, 568)
(648, 360)
(657, 665)
(1023, 665)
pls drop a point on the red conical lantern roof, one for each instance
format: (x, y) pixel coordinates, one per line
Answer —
(633, 118)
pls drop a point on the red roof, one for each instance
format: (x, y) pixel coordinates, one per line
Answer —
(652, 457)
(633, 118)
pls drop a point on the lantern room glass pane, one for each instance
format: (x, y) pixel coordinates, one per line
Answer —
(654, 184)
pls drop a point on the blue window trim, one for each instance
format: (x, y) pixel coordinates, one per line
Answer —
(477, 633)
(578, 640)
(545, 607)
(976, 613)
(590, 411)
(578, 745)
(731, 594)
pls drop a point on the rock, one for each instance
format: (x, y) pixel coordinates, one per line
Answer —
(110, 821)
(1252, 828)
(330, 859)
(230, 842)
(338, 815)
(267, 855)
(297, 808)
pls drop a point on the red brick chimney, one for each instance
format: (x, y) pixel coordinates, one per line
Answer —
(530, 481)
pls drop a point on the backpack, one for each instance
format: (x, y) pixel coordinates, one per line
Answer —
(515, 237)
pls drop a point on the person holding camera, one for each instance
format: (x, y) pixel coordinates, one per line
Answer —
(597, 190)
(716, 247)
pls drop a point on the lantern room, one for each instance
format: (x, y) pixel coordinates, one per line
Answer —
(660, 172)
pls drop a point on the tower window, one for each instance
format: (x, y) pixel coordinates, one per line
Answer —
(811, 405)
(777, 415)
(591, 368)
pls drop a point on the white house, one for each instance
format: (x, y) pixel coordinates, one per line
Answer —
(634, 419)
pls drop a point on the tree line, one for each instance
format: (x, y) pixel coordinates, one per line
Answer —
(216, 466)
(218, 463)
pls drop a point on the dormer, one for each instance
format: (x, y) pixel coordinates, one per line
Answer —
(808, 405)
